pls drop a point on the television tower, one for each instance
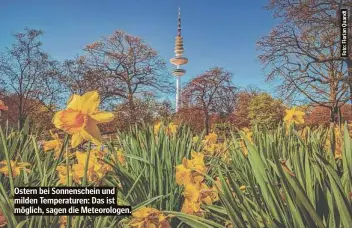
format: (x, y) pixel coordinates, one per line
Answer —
(178, 60)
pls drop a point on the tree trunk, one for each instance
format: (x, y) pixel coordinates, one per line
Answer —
(340, 117)
(20, 113)
(21, 122)
(21, 119)
(334, 114)
(206, 122)
(349, 71)
(131, 109)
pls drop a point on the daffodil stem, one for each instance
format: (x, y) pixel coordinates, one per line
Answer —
(69, 221)
(60, 156)
(86, 165)
(8, 161)
(38, 158)
(67, 167)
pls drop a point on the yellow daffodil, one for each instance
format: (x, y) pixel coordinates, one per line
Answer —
(294, 116)
(225, 154)
(191, 207)
(16, 167)
(191, 193)
(171, 129)
(211, 147)
(62, 173)
(207, 195)
(228, 224)
(93, 166)
(215, 189)
(81, 117)
(3, 106)
(3, 221)
(144, 212)
(214, 149)
(98, 173)
(197, 162)
(121, 157)
(78, 172)
(191, 171)
(195, 194)
(149, 217)
(191, 174)
(157, 128)
(195, 139)
(101, 166)
(248, 133)
(187, 173)
(55, 144)
(183, 174)
(211, 138)
(244, 148)
(197, 177)
(196, 165)
(82, 158)
(163, 221)
(96, 167)
(63, 221)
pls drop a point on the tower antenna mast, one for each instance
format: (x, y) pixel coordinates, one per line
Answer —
(178, 60)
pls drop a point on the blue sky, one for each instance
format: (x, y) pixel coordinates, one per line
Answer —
(216, 33)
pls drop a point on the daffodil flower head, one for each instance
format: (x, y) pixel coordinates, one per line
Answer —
(81, 117)
(211, 138)
(63, 221)
(3, 106)
(198, 161)
(294, 115)
(183, 173)
(96, 168)
(157, 128)
(192, 208)
(191, 193)
(149, 217)
(63, 174)
(54, 144)
(171, 129)
(16, 167)
(248, 133)
(121, 157)
(3, 220)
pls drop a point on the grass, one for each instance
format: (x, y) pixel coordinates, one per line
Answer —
(291, 181)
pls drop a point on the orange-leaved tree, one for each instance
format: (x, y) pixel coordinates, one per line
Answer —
(208, 91)
(241, 118)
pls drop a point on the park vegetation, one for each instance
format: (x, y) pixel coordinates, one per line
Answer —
(230, 157)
